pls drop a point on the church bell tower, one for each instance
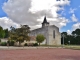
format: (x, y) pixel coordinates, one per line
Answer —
(45, 23)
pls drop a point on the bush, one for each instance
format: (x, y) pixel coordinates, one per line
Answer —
(25, 44)
(3, 44)
(35, 44)
(10, 42)
(0, 40)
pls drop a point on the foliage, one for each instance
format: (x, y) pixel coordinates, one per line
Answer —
(3, 33)
(35, 44)
(3, 44)
(6, 33)
(19, 34)
(10, 42)
(40, 38)
(0, 40)
(25, 44)
(74, 38)
(1, 29)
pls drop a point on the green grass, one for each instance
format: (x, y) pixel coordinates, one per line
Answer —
(75, 47)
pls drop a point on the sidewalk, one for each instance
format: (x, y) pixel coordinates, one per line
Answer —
(12, 47)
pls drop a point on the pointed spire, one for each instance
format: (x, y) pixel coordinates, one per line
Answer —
(45, 20)
(45, 23)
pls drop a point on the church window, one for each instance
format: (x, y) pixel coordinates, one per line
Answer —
(54, 34)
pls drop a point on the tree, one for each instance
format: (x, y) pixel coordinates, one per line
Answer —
(20, 34)
(3, 33)
(40, 38)
(64, 35)
(76, 35)
(74, 38)
(6, 33)
(1, 29)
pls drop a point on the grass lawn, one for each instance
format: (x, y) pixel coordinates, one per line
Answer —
(77, 47)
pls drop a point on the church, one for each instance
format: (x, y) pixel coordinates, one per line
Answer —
(50, 32)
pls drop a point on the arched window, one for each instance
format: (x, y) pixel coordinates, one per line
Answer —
(54, 34)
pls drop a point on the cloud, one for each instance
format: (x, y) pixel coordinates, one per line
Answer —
(7, 23)
(72, 10)
(30, 11)
(69, 32)
(74, 18)
(75, 26)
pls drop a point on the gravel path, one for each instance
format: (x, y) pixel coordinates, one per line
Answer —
(40, 54)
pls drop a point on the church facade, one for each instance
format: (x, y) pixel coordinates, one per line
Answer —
(50, 32)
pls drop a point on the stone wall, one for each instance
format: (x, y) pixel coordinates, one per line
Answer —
(57, 39)
(48, 34)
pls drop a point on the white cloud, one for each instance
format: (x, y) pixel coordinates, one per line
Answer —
(7, 23)
(72, 10)
(75, 26)
(29, 11)
(69, 32)
(73, 17)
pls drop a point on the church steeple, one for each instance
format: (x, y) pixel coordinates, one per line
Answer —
(45, 23)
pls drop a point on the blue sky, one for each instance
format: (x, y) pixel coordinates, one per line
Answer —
(74, 5)
(2, 13)
(70, 12)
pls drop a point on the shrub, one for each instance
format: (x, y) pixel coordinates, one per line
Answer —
(35, 44)
(40, 38)
(3, 44)
(10, 42)
(0, 40)
(25, 44)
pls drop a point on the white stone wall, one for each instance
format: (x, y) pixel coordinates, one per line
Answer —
(4, 40)
(57, 39)
(48, 34)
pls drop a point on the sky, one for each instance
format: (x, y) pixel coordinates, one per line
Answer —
(61, 13)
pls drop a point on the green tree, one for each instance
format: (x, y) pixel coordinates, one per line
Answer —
(40, 38)
(20, 34)
(76, 36)
(6, 33)
(3, 33)
(1, 29)
(64, 34)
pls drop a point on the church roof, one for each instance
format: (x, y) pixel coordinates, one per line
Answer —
(45, 20)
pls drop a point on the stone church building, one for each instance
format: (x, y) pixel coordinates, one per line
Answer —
(50, 32)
